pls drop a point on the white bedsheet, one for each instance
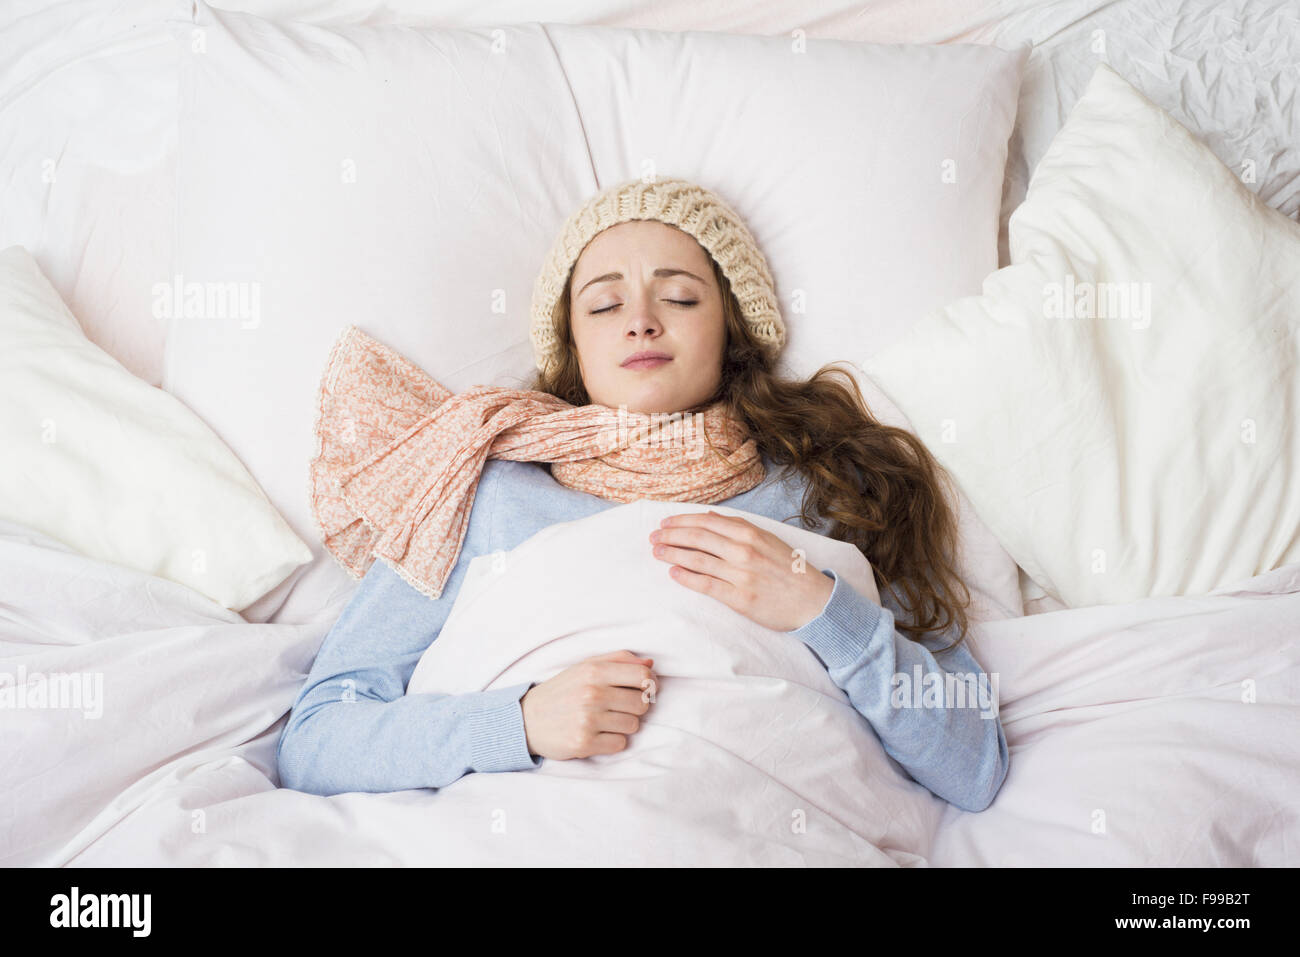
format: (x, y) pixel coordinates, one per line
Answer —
(1130, 742)
(166, 681)
(1160, 732)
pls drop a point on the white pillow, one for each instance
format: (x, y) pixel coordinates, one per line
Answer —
(412, 180)
(120, 470)
(1151, 450)
(87, 186)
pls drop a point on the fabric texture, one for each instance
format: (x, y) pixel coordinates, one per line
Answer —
(677, 202)
(117, 469)
(1120, 403)
(399, 457)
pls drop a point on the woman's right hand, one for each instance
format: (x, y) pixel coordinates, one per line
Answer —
(589, 708)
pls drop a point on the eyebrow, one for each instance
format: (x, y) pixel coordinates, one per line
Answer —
(662, 272)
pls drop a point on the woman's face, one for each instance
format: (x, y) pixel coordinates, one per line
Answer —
(645, 286)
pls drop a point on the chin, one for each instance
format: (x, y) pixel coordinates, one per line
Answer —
(652, 401)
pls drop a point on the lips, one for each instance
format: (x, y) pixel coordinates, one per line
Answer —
(646, 360)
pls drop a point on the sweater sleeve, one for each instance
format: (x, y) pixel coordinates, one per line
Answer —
(941, 725)
(353, 727)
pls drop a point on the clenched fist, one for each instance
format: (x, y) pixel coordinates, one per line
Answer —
(589, 708)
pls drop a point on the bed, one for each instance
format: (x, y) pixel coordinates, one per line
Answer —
(1152, 712)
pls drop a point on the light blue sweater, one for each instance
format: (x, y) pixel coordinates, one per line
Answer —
(354, 728)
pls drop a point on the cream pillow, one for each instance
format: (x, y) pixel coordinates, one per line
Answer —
(117, 469)
(1120, 404)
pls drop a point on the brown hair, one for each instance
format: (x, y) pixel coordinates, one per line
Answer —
(879, 486)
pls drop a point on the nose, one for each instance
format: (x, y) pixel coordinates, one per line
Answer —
(642, 322)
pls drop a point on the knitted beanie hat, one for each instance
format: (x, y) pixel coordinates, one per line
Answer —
(680, 203)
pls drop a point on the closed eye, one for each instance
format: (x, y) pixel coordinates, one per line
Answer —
(676, 302)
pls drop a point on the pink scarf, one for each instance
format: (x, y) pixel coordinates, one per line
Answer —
(400, 457)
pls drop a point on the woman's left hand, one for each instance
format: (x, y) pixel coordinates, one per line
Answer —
(744, 567)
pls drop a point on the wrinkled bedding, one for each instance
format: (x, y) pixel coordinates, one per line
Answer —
(1160, 732)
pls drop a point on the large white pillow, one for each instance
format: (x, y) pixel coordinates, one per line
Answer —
(117, 469)
(412, 181)
(1123, 451)
(87, 158)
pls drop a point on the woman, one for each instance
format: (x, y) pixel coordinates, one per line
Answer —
(655, 299)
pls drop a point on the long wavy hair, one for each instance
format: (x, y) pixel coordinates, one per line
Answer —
(877, 486)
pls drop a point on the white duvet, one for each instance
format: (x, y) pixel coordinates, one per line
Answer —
(749, 754)
(1158, 732)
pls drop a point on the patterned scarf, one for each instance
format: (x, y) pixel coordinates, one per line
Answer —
(400, 457)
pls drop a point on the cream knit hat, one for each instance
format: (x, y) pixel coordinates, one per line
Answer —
(679, 203)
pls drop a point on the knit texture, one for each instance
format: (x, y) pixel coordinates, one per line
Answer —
(677, 202)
